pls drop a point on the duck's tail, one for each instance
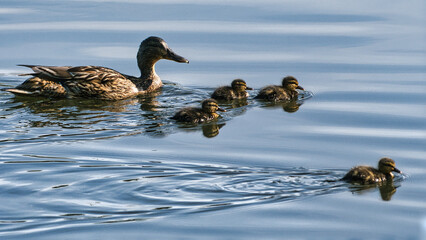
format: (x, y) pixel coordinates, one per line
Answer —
(17, 91)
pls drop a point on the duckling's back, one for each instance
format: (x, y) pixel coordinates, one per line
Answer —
(273, 93)
(224, 93)
(191, 115)
(364, 175)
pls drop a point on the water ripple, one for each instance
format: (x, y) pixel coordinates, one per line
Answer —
(38, 120)
(152, 189)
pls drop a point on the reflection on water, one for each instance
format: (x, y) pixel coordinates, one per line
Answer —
(387, 188)
(68, 165)
(96, 119)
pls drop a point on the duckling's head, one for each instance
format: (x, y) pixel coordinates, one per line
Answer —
(291, 83)
(240, 85)
(387, 165)
(211, 106)
(153, 49)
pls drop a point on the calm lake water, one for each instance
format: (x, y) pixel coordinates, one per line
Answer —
(89, 169)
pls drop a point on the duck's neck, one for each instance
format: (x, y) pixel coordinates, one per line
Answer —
(149, 80)
(147, 68)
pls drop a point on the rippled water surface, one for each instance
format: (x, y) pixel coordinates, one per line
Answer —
(90, 169)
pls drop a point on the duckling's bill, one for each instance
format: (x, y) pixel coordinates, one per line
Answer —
(221, 109)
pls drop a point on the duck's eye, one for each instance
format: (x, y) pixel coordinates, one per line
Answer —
(156, 45)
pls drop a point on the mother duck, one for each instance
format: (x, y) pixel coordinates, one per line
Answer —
(100, 82)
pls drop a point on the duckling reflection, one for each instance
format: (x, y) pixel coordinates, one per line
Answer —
(207, 112)
(209, 130)
(99, 82)
(387, 189)
(277, 93)
(370, 175)
(237, 90)
(288, 106)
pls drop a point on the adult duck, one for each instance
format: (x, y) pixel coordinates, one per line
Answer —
(237, 90)
(207, 112)
(100, 82)
(370, 175)
(278, 93)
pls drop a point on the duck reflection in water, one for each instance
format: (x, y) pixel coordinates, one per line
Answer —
(210, 129)
(288, 106)
(366, 177)
(387, 189)
(285, 92)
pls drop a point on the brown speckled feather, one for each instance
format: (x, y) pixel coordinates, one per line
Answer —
(364, 175)
(276, 93)
(84, 81)
(227, 93)
(99, 82)
(194, 115)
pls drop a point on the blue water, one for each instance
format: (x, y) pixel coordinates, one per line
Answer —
(90, 169)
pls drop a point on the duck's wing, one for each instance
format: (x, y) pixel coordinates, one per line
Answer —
(94, 73)
(49, 71)
(80, 73)
(84, 81)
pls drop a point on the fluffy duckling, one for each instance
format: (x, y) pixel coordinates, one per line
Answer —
(237, 90)
(100, 82)
(206, 113)
(370, 175)
(277, 93)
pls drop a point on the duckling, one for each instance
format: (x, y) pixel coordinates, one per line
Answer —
(207, 112)
(281, 93)
(100, 82)
(237, 90)
(370, 175)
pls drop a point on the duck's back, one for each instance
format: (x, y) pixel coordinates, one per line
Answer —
(273, 93)
(364, 175)
(82, 81)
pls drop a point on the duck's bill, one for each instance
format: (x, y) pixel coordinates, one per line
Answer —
(249, 88)
(299, 87)
(221, 109)
(397, 170)
(174, 57)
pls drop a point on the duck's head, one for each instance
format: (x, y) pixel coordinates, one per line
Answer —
(387, 165)
(291, 83)
(211, 106)
(153, 49)
(240, 85)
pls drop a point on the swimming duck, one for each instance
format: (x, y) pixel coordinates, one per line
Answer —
(99, 82)
(206, 113)
(237, 90)
(370, 175)
(281, 93)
